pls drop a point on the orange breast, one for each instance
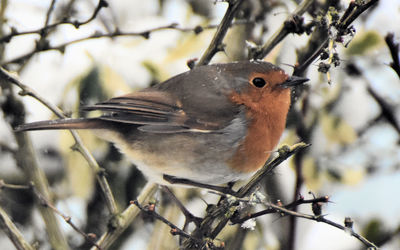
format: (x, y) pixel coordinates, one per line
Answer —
(266, 111)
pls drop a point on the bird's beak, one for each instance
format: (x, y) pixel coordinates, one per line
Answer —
(293, 81)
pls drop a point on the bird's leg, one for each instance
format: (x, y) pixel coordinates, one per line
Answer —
(175, 180)
(188, 215)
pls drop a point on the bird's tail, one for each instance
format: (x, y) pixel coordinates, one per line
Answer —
(80, 123)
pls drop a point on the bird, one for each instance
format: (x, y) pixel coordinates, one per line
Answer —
(213, 124)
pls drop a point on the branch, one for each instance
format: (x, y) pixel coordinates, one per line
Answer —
(394, 51)
(117, 33)
(47, 27)
(182, 181)
(4, 185)
(284, 153)
(283, 31)
(110, 201)
(12, 232)
(25, 157)
(296, 203)
(48, 14)
(189, 217)
(216, 43)
(150, 209)
(387, 110)
(44, 202)
(316, 205)
(355, 9)
(320, 218)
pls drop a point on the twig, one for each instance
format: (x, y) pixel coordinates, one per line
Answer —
(271, 210)
(394, 51)
(110, 201)
(44, 202)
(282, 32)
(189, 217)
(43, 44)
(320, 218)
(297, 187)
(284, 210)
(387, 110)
(49, 11)
(284, 153)
(76, 24)
(354, 10)
(196, 243)
(365, 241)
(98, 34)
(7, 148)
(319, 41)
(12, 186)
(12, 232)
(216, 42)
(174, 229)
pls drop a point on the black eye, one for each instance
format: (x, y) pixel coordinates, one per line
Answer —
(259, 82)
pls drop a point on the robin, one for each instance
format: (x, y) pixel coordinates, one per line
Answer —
(213, 124)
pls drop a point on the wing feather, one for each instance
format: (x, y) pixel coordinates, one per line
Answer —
(155, 111)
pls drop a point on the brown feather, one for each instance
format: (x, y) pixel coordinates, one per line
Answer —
(81, 123)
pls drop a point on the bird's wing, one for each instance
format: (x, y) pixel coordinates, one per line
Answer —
(155, 111)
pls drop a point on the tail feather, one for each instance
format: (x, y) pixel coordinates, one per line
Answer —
(80, 123)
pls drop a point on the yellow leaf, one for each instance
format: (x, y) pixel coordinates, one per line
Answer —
(79, 175)
(156, 70)
(290, 137)
(311, 174)
(189, 45)
(112, 82)
(364, 42)
(353, 176)
(337, 130)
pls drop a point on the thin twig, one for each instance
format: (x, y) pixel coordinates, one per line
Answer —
(342, 26)
(394, 52)
(154, 214)
(189, 217)
(117, 33)
(387, 110)
(284, 153)
(269, 210)
(44, 202)
(12, 232)
(284, 210)
(49, 11)
(4, 185)
(320, 218)
(175, 180)
(282, 32)
(216, 42)
(47, 27)
(4, 147)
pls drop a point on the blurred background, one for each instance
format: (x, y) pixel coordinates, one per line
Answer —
(353, 123)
